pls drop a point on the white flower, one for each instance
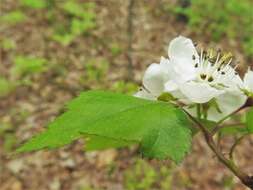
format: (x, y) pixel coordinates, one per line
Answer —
(206, 79)
(247, 86)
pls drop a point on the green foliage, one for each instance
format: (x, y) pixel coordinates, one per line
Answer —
(80, 20)
(125, 87)
(249, 121)
(96, 69)
(36, 4)
(81, 26)
(8, 44)
(73, 8)
(64, 39)
(143, 176)
(160, 128)
(10, 141)
(8, 136)
(27, 65)
(115, 49)
(217, 19)
(13, 17)
(233, 130)
(5, 87)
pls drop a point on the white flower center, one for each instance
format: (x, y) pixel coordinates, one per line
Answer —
(213, 68)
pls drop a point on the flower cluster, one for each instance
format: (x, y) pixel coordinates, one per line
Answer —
(202, 82)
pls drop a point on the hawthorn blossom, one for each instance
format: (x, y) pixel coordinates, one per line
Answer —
(205, 80)
(247, 86)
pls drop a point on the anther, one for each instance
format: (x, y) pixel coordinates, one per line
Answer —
(196, 65)
(203, 76)
(210, 79)
(193, 57)
(223, 73)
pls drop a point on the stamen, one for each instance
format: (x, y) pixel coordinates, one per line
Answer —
(203, 76)
(210, 79)
(193, 57)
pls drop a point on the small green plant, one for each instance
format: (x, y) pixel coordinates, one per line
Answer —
(13, 17)
(142, 175)
(115, 49)
(27, 65)
(80, 20)
(36, 4)
(8, 136)
(96, 69)
(8, 44)
(6, 87)
(222, 18)
(124, 87)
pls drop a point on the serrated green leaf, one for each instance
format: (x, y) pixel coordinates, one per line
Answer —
(94, 142)
(249, 120)
(160, 128)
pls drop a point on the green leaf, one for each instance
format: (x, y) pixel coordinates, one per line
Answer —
(93, 142)
(160, 128)
(249, 120)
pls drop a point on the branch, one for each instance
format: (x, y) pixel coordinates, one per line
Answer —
(237, 142)
(245, 179)
(248, 103)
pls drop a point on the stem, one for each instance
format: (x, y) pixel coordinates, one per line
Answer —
(245, 179)
(237, 142)
(198, 111)
(219, 127)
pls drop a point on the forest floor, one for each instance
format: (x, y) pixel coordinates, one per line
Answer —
(97, 60)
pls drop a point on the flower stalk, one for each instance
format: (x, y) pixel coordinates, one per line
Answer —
(229, 163)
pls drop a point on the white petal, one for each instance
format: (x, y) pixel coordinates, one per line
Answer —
(170, 86)
(183, 48)
(248, 80)
(165, 64)
(199, 92)
(228, 102)
(231, 80)
(174, 90)
(153, 79)
(182, 70)
(142, 93)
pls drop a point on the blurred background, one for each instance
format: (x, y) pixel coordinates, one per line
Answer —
(51, 50)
